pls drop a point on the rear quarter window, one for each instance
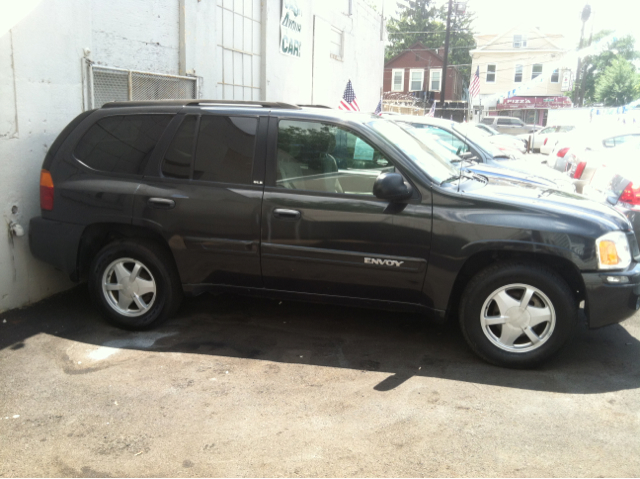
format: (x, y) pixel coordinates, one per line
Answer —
(487, 121)
(122, 143)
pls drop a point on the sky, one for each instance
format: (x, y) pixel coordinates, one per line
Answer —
(552, 16)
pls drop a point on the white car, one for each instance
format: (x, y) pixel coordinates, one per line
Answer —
(500, 139)
(589, 138)
(544, 140)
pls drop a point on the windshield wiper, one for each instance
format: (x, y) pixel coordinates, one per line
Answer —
(465, 174)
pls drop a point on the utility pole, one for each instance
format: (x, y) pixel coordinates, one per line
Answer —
(586, 13)
(443, 79)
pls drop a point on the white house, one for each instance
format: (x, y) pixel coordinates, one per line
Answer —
(508, 60)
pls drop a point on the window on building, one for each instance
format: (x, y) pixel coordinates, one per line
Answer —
(225, 148)
(536, 71)
(326, 158)
(436, 76)
(518, 76)
(336, 46)
(107, 84)
(519, 41)
(491, 73)
(398, 80)
(555, 76)
(417, 78)
(121, 144)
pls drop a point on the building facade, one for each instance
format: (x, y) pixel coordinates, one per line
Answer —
(418, 72)
(61, 57)
(509, 60)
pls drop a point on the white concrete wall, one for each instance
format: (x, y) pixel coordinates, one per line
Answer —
(41, 84)
(316, 78)
(43, 52)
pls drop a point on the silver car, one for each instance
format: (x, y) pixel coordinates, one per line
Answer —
(509, 125)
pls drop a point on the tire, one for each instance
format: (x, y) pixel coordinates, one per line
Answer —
(144, 302)
(494, 296)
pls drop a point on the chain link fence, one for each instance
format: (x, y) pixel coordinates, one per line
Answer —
(107, 84)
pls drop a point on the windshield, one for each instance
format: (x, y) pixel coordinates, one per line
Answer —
(432, 162)
(489, 129)
(473, 133)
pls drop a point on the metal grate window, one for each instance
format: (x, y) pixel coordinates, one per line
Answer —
(107, 84)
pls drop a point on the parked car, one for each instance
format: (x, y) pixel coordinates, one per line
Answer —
(150, 200)
(464, 140)
(616, 180)
(582, 165)
(590, 138)
(551, 139)
(509, 125)
(497, 138)
(435, 147)
(543, 140)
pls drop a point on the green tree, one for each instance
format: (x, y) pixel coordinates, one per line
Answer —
(595, 66)
(617, 85)
(422, 21)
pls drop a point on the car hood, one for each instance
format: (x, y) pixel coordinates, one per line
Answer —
(513, 175)
(546, 209)
(526, 167)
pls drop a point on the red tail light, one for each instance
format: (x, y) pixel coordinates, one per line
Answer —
(545, 140)
(46, 190)
(579, 170)
(630, 195)
(562, 152)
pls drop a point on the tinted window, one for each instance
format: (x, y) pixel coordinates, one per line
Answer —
(322, 157)
(504, 121)
(450, 141)
(177, 160)
(487, 121)
(121, 144)
(225, 149)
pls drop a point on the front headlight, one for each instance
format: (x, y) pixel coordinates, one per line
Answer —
(613, 251)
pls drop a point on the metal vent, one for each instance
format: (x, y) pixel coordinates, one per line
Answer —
(107, 84)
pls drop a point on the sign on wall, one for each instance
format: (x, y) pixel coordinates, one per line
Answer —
(291, 28)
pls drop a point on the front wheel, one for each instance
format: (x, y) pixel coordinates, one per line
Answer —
(134, 283)
(517, 315)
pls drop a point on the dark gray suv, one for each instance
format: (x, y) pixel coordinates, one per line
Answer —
(152, 200)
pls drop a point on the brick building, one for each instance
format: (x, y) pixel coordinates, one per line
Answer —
(418, 72)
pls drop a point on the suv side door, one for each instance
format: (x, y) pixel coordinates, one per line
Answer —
(203, 195)
(323, 230)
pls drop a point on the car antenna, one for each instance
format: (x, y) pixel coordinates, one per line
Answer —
(466, 132)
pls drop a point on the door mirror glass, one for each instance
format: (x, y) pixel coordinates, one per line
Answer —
(392, 187)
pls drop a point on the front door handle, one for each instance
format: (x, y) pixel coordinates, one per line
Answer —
(286, 214)
(161, 203)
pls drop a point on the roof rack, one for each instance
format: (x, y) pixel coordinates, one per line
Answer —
(316, 106)
(212, 103)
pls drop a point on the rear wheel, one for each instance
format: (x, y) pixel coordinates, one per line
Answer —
(517, 315)
(134, 283)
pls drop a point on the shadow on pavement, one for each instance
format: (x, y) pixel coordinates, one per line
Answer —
(401, 344)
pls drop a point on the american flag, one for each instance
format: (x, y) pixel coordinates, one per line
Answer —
(474, 88)
(379, 109)
(348, 101)
(432, 112)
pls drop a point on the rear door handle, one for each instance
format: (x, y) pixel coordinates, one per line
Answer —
(286, 214)
(161, 203)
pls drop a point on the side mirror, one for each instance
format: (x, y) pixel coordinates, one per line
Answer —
(391, 186)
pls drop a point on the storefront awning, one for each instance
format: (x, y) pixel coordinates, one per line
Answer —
(534, 102)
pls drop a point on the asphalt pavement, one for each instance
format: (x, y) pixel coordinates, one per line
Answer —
(236, 386)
